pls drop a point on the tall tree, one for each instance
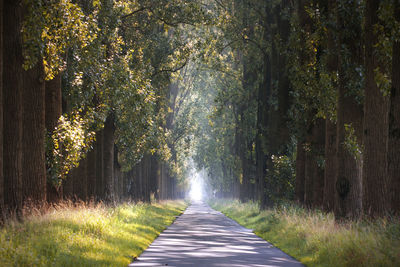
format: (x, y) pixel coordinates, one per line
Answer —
(374, 172)
(331, 129)
(1, 115)
(34, 165)
(108, 158)
(99, 165)
(13, 105)
(53, 112)
(394, 122)
(349, 113)
(300, 172)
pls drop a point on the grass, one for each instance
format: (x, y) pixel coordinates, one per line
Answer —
(314, 238)
(85, 234)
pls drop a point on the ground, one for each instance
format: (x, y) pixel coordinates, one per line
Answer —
(205, 237)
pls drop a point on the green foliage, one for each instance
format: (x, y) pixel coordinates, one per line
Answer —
(313, 83)
(281, 178)
(351, 143)
(115, 57)
(68, 144)
(51, 27)
(388, 32)
(85, 235)
(314, 237)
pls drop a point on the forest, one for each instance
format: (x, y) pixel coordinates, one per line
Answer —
(273, 101)
(112, 111)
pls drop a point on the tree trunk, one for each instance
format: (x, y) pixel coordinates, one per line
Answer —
(308, 171)
(154, 174)
(284, 88)
(349, 114)
(99, 165)
(318, 144)
(331, 128)
(80, 180)
(262, 122)
(53, 112)
(108, 158)
(117, 169)
(349, 165)
(394, 124)
(375, 193)
(300, 171)
(330, 166)
(13, 106)
(1, 116)
(68, 185)
(34, 164)
(314, 172)
(91, 174)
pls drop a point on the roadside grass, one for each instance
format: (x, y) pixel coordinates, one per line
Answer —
(85, 234)
(315, 239)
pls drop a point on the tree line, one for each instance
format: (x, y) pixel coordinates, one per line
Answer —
(87, 91)
(306, 105)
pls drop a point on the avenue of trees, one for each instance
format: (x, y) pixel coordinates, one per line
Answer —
(306, 105)
(277, 100)
(85, 99)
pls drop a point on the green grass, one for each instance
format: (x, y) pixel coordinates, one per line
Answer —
(314, 238)
(85, 235)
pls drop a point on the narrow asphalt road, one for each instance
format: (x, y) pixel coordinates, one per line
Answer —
(205, 237)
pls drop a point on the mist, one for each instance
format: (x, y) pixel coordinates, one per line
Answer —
(197, 190)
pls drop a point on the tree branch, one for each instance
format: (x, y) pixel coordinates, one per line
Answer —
(170, 70)
(134, 12)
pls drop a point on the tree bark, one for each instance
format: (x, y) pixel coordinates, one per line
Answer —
(91, 174)
(331, 128)
(318, 146)
(349, 166)
(375, 193)
(262, 122)
(330, 166)
(108, 158)
(394, 124)
(68, 185)
(80, 180)
(99, 166)
(53, 112)
(300, 171)
(1, 116)
(34, 163)
(13, 106)
(349, 114)
(117, 171)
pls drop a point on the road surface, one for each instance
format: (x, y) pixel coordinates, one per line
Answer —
(202, 236)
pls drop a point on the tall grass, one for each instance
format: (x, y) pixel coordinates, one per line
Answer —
(85, 234)
(314, 238)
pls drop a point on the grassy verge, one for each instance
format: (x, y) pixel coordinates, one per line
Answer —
(315, 239)
(85, 235)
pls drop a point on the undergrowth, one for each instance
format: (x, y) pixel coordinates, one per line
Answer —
(85, 234)
(314, 238)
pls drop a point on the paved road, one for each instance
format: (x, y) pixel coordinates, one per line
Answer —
(205, 237)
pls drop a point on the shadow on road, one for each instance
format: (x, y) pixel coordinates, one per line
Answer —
(205, 237)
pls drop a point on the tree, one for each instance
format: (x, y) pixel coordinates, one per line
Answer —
(1, 116)
(375, 129)
(13, 105)
(33, 158)
(394, 121)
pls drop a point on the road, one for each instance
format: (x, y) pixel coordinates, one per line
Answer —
(202, 236)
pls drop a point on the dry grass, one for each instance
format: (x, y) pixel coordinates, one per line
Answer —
(316, 239)
(81, 234)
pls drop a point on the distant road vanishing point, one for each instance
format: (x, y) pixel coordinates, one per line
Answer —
(205, 237)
